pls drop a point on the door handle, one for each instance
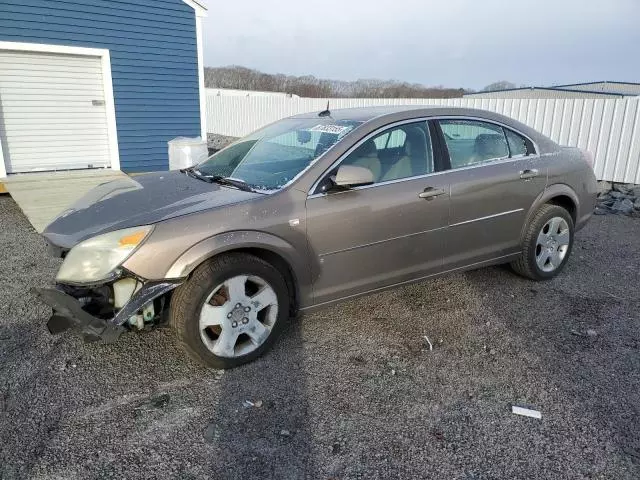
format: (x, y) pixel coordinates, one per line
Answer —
(528, 174)
(430, 193)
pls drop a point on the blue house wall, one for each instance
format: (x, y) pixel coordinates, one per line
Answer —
(154, 63)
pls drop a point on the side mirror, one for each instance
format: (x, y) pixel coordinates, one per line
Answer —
(353, 176)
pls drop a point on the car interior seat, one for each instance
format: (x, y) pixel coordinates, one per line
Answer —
(414, 161)
(488, 146)
(366, 155)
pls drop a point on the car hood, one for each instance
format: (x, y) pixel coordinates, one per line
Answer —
(142, 200)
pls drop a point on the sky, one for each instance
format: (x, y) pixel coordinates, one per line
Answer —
(453, 43)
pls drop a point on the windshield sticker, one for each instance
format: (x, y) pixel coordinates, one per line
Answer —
(335, 129)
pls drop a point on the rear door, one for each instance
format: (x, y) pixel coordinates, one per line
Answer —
(495, 176)
(390, 232)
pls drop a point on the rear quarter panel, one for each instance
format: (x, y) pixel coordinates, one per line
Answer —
(568, 168)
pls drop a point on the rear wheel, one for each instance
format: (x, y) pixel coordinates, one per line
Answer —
(231, 310)
(547, 244)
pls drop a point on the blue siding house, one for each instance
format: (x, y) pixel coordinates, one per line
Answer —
(98, 83)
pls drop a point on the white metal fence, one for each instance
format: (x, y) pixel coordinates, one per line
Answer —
(610, 129)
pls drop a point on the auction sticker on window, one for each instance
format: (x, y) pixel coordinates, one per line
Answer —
(335, 129)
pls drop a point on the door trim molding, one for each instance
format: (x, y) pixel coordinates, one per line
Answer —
(487, 217)
(348, 249)
(107, 85)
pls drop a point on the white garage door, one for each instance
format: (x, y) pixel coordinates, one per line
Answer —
(52, 112)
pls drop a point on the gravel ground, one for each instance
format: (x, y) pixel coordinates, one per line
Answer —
(349, 392)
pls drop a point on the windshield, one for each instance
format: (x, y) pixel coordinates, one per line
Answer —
(270, 158)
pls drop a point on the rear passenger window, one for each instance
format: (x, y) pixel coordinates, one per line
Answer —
(517, 144)
(471, 142)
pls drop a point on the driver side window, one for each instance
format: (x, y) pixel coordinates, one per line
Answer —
(401, 151)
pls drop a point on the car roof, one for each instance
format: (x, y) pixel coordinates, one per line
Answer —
(364, 114)
(378, 116)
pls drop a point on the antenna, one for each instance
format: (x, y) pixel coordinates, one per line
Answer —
(325, 113)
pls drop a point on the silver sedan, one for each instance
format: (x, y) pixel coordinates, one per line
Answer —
(313, 210)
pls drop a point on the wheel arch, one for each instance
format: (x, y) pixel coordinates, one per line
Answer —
(558, 194)
(567, 203)
(281, 264)
(274, 250)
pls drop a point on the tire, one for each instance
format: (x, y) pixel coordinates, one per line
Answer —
(211, 296)
(532, 263)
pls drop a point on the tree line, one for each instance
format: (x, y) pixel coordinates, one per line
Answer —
(242, 78)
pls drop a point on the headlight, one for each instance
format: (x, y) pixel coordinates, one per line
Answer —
(93, 260)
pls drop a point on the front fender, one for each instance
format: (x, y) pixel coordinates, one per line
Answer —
(228, 241)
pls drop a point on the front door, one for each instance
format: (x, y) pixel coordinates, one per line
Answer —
(495, 177)
(389, 232)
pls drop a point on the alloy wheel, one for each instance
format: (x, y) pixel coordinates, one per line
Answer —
(552, 244)
(238, 316)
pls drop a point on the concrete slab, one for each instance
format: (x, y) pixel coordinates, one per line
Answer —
(43, 196)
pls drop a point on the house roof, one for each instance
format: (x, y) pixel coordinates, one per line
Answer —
(201, 4)
(553, 89)
(197, 5)
(597, 83)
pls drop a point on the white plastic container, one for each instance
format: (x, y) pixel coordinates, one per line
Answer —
(186, 152)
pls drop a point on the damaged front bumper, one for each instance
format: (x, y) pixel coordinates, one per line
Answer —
(72, 311)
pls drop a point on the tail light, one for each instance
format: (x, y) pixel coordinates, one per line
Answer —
(588, 157)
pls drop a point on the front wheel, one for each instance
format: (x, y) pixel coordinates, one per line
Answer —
(547, 244)
(231, 310)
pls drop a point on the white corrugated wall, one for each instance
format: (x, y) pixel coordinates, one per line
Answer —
(610, 129)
